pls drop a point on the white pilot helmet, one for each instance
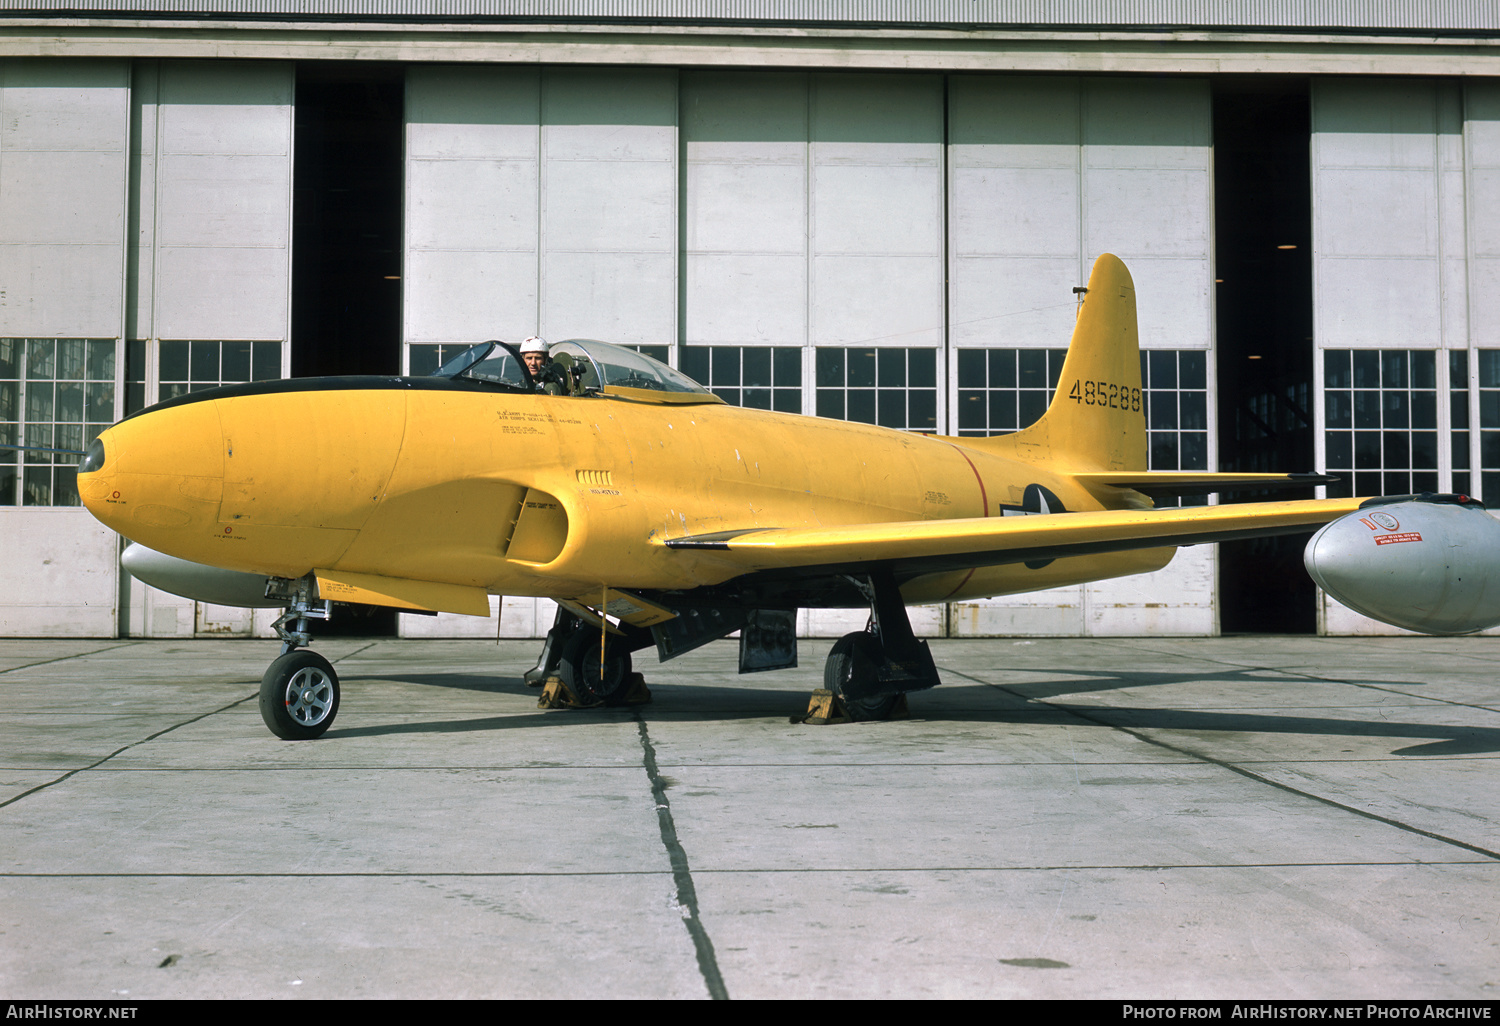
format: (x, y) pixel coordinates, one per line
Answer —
(535, 344)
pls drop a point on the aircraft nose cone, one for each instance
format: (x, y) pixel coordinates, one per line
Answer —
(157, 477)
(1428, 567)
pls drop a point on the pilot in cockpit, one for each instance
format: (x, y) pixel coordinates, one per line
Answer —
(544, 375)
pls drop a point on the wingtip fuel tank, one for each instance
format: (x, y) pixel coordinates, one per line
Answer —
(1427, 563)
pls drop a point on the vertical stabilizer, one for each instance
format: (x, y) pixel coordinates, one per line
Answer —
(1096, 420)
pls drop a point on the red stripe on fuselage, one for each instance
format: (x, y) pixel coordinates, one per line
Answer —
(984, 499)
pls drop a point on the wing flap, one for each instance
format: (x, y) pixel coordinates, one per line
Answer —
(936, 545)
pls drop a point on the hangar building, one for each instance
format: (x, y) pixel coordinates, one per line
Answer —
(872, 209)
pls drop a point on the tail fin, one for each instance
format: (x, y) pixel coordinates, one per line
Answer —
(1097, 419)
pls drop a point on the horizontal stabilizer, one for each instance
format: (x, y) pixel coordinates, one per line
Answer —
(1188, 482)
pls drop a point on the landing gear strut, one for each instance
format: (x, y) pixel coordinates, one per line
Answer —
(571, 652)
(591, 679)
(871, 670)
(299, 694)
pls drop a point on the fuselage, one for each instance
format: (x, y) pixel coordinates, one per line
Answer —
(534, 494)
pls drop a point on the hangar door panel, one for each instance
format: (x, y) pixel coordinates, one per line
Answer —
(472, 188)
(221, 206)
(1406, 214)
(64, 143)
(609, 205)
(1045, 174)
(1378, 195)
(210, 269)
(876, 211)
(64, 149)
(541, 201)
(813, 220)
(1482, 201)
(1148, 198)
(1013, 209)
(538, 201)
(745, 208)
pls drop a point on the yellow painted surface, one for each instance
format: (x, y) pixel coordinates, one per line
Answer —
(562, 496)
(372, 590)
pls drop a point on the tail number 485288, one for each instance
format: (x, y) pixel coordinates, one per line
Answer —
(1105, 393)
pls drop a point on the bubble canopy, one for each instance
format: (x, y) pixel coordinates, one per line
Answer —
(600, 367)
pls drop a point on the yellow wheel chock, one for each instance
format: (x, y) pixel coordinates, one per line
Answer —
(825, 708)
(557, 695)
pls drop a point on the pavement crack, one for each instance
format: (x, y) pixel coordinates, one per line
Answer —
(125, 748)
(682, 877)
(63, 659)
(1368, 685)
(1249, 774)
(1288, 789)
(351, 655)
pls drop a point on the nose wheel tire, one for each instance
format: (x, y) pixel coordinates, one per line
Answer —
(580, 670)
(299, 696)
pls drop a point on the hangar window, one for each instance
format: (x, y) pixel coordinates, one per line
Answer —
(1458, 407)
(1004, 390)
(661, 354)
(758, 377)
(1381, 419)
(135, 376)
(424, 358)
(55, 393)
(1175, 385)
(192, 366)
(1489, 425)
(894, 388)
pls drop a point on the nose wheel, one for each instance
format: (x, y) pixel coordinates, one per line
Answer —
(299, 696)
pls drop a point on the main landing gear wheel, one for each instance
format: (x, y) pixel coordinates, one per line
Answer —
(850, 673)
(299, 696)
(580, 671)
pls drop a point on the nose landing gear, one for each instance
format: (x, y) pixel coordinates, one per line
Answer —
(299, 694)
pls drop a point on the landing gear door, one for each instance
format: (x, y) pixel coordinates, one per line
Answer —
(768, 641)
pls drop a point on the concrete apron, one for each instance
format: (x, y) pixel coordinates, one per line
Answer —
(1129, 818)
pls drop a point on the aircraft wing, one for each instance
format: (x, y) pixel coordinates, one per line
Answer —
(933, 546)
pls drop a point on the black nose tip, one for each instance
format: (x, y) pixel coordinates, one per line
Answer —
(93, 459)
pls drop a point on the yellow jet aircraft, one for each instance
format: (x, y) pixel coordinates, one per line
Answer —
(651, 510)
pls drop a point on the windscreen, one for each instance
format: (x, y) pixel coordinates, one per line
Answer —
(493, 362)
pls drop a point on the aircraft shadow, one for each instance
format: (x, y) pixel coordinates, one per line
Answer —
(459, 681)
(951, 703)
(1092, 680)
(1444, 739)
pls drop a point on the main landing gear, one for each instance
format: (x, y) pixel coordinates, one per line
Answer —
(299, 694)
(571, 653)
(870, 672)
